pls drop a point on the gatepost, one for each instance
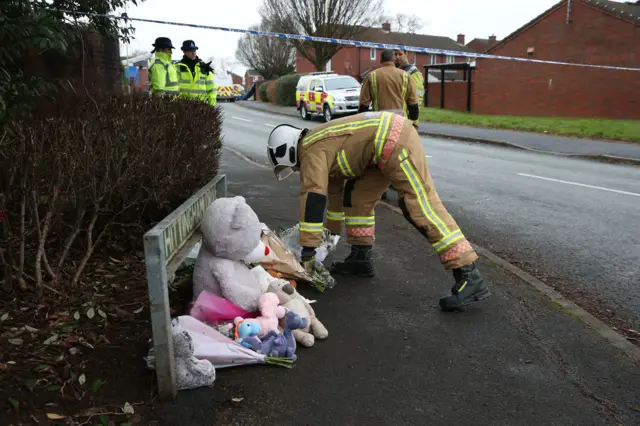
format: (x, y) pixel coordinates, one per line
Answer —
(166, 246)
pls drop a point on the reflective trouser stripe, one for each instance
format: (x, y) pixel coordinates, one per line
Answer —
(360, 220)
(344, 164)
(361, 232)
(425, 205)
(395, 111)
(311, 227)
(337, 216)
(171, 83)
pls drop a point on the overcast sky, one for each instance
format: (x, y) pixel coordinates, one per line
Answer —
(445, 18)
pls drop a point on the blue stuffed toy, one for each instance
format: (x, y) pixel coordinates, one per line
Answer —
(246, 331)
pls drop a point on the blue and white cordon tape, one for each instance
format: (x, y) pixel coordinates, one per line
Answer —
(346, 42)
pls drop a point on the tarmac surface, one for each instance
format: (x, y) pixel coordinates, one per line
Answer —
(530, 140)
(393, 358)
(570, 222)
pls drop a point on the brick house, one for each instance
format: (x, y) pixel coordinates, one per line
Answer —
(581, 31)
(250, 77)
(237, 79)
(481, 45)
(358, 61)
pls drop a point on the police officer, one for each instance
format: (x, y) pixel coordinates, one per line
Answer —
(195, 76)
(163, 78)
(371, 149)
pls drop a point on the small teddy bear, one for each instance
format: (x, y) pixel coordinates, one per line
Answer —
(292, 300)
(191, 372)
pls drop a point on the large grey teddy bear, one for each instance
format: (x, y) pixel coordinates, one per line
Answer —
(230, 232)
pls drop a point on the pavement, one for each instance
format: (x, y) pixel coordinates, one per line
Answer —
(392, 357)
(568, 221)
(600, 149)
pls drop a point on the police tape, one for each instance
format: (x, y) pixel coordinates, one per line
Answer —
(355, 43)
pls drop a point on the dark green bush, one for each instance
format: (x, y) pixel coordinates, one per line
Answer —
(93, 167)
(262, 91)
(286, 89)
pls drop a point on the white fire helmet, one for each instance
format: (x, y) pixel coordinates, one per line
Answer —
(282, 150)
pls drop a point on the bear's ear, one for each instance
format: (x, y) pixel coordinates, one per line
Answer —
(239, 218)
(237, 320)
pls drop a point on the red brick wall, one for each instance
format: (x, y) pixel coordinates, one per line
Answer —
(236, 79)
(93, 63)
(593, 36)
(346, 61)
(455, 95)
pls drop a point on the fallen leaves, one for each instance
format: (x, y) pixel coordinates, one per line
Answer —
(54, 416)
(96, 385)
(91, 313)
(31, 384)
(82, 379)
(4, 317)
(16, 342)
(51, 340)
(128, 408)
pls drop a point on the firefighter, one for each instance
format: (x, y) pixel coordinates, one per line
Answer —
(402, 62)
(163, 78)
(390, 89)
(371, 150)
(195, 76)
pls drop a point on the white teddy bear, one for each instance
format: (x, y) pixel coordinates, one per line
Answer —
(231, 231)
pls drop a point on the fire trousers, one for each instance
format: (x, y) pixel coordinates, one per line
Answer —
(352, 203)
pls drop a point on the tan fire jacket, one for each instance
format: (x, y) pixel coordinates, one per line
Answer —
(337, 150)
(389, 88)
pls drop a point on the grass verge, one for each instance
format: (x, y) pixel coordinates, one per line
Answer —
(626, 130)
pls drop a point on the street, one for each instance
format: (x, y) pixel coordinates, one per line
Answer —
(571, 222)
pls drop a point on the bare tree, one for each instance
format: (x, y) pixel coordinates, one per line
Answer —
(403, 23)
(343, 19)
(271, 57)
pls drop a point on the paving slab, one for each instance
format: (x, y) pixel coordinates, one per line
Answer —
(393, 358)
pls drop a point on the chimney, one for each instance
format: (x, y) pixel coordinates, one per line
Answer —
(386, 27)
(492, 40)
(461, 39)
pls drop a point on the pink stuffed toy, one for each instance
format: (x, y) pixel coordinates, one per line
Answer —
(271, 311)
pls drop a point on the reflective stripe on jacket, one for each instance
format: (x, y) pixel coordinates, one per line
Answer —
(196, 85)
(163, 77)
(388, 89)
(342, 149)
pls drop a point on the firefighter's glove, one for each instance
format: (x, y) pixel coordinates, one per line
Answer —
(320, 276)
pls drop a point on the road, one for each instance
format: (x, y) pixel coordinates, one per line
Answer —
(573, 223)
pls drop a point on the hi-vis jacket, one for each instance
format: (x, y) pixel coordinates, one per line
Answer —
(196, 84)
(163, 78)
(390, 89)
(418, 82)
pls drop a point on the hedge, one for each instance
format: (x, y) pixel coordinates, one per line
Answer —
(286, 89)
(262, 91)
(97, 169)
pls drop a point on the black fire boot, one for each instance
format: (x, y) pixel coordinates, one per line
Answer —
(359, 262)
(470, 287)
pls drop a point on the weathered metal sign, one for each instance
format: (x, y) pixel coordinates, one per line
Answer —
(182, 228)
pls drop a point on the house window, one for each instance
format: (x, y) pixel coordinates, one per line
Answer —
(373, 54)
(433, 60)
(451, 59)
